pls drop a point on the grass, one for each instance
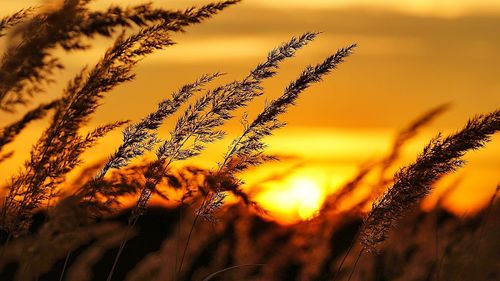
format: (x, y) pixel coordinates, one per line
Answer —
(54, 231)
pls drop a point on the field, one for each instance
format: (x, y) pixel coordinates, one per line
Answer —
(100, 187)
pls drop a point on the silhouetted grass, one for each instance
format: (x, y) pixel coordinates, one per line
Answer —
(55, 230)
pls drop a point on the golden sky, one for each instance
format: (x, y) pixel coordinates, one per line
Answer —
(412, 56)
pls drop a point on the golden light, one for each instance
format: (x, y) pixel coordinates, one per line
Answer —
(310, 197)
(337, 134)
(298, 197)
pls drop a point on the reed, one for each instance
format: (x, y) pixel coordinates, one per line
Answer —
(52, 157)
(247, 149)
(414, 182)
(14, 19)
(201, 121)
(9, 132)
(51, 223)
(139, 138)
(27, 66)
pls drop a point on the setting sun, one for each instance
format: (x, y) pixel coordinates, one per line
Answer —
(297, 197)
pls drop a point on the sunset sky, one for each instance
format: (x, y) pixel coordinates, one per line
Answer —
(412, 56)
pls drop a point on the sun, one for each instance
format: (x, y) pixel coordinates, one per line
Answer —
(309, 194)
(298, 197)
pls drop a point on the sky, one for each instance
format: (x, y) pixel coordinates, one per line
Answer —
(411, 56)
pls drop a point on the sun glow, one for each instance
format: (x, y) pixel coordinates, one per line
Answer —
(299, 197)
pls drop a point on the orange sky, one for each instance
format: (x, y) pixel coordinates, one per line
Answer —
(411, 57)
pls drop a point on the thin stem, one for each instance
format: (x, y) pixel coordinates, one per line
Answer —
(189, 236)
(232, 150)
(230, 268)
(130, 225)
(343, 260)
(64, 266)
(355, 265)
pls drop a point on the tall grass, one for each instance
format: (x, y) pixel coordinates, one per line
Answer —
(414, 182)
(77, 214)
